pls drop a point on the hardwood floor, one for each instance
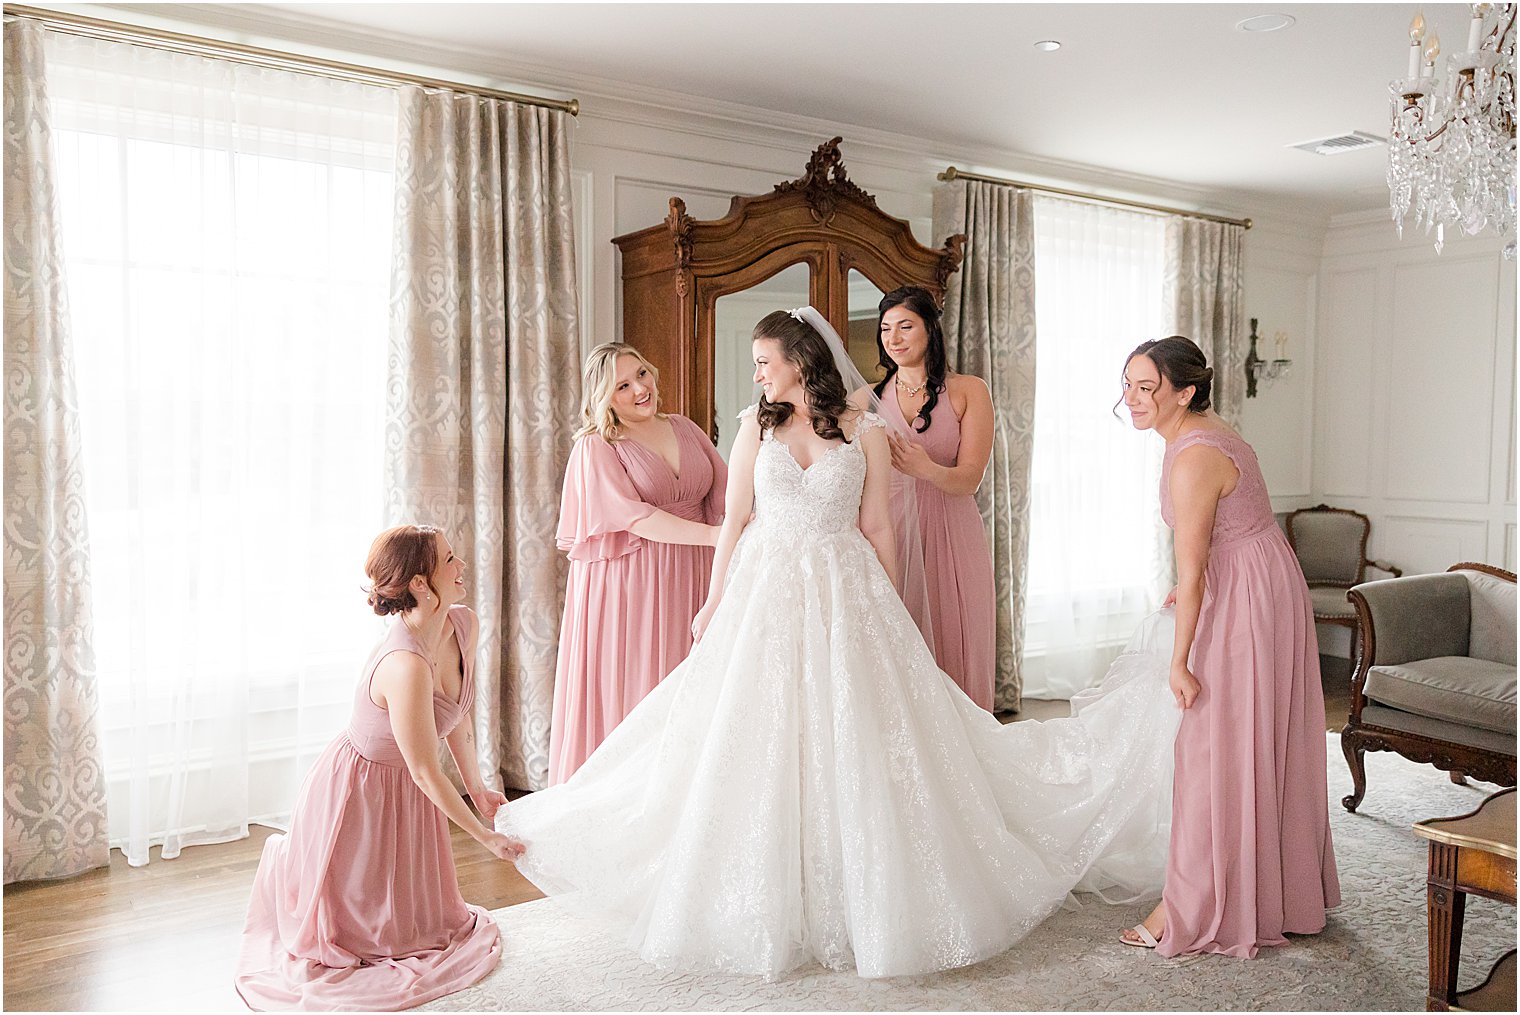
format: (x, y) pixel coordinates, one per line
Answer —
(1335, 675)
(164, 937)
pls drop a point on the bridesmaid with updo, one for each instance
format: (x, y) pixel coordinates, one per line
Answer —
(639, 517)
(1250, 858)
(357, 907)
(949, 416)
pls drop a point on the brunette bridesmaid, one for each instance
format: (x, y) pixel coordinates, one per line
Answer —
(950, 418)
(1250, 857)
(639, 518)
(357, 907)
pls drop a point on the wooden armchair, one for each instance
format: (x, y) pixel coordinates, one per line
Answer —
(1331, 544)
(1435, 680)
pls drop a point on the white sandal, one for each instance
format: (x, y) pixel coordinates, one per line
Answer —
(1147, 939)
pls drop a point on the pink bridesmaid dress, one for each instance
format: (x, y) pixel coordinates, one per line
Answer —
(1251, 857)
(629, 602)
(957, 562)
(358, 908)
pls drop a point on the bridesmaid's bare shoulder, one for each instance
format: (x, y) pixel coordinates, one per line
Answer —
(966, 390)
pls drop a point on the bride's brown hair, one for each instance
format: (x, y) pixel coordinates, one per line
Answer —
(806, 350)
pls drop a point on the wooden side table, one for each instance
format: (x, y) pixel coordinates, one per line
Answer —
(1469, 855)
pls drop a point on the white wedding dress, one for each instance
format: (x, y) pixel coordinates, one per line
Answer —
(807, 785)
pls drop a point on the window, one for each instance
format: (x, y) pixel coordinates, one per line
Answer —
(1095, 557)
(227, 233)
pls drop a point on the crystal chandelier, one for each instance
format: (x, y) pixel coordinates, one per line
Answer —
(1451, 149)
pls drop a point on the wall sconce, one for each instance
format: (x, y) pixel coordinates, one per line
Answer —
(1258, 369)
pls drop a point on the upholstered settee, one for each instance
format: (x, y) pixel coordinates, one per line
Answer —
(1435, 677)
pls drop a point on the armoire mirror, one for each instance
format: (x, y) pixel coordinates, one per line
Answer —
(694, 290)
(734, 318)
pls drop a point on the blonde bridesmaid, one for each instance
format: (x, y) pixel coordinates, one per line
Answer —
(639, 517)
(949, 416)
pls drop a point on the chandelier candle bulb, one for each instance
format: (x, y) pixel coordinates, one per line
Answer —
(1416, 37)
(1451, 143)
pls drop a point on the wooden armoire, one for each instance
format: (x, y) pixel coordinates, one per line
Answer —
(675, 272)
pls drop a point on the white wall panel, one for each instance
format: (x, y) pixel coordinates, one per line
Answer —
(1279, 420)
(644, 203)
(1427, 545)
(1415, 394)
(1439, 388)
(1345, 361)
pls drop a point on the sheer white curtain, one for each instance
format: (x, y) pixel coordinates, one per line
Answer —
(227, 236)
(1095, 563)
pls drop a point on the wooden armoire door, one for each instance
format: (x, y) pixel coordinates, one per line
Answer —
(674, 273)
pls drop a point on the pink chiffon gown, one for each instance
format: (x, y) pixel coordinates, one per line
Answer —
(629, 602)
(1250, 856)
(358, 908)
(957, 561)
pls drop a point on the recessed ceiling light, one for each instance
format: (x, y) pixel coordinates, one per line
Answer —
(1266, 23)
(1047, 45)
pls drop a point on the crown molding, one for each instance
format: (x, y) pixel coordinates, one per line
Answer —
(625, 103)
(1372, 216)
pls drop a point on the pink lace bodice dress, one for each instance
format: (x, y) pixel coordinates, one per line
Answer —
(357, 907)
(1251, 857)
(962, 599)
(629, 601)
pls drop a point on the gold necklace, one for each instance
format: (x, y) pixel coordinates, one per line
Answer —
(911, 392)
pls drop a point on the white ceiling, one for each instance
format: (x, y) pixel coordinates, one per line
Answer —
(1168, 91)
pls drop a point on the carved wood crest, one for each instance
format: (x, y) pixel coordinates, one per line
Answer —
(824, 182)
(955, 252)
(680, 225)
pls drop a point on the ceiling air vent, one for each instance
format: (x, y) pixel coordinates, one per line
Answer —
(1340, 144)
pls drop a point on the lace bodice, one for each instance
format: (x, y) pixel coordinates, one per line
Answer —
(1247, 510)
(822, 499)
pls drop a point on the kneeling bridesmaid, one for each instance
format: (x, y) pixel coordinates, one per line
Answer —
(357, 908)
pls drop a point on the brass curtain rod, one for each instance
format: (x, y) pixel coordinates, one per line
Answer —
(951, 173)
(115, 31)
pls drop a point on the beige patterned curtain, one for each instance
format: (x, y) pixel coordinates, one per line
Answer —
(55, 803)
(1203, 301)
(483, 385)
(989, 332)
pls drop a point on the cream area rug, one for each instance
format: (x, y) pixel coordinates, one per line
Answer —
(1371, 956)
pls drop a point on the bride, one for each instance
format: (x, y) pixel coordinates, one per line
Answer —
(807, 785)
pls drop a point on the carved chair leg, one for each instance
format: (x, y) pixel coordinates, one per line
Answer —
(1351, 746)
